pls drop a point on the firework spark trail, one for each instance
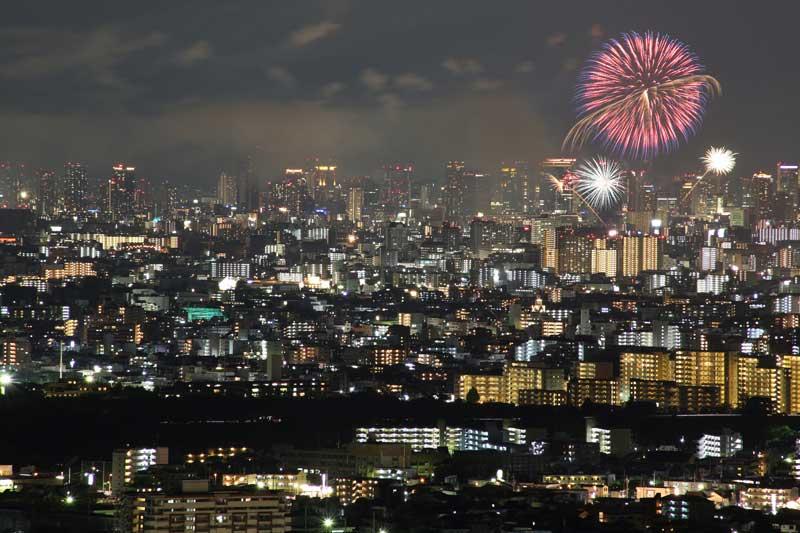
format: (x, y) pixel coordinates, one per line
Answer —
(560, 185)
(718, 161)
(641, 95)
(600, 181)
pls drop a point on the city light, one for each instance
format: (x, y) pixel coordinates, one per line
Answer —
(486, 280)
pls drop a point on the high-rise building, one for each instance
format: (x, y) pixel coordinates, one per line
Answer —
(556, 171)
(295, 193)
(227, 190)
(634, 187)
(74, 188)
(454, 192)
(574, 252)
(786, 187)
(652, 366)
(513, 190)
(603, 259)
(757, 380)
(641, 253)
(398, 178)
(248, 188)
(323, 182)
(48, 198)
(791, 366)
(717, 369)
(121, 191)
(758, 196)
(355, 204)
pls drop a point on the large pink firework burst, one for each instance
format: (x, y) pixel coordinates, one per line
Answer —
(641, 95)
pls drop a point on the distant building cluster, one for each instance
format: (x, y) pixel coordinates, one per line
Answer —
(556, 340)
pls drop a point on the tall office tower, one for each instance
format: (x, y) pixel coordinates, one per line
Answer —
(477, 193)
(397, 183)
(248, 189)
(48, 203)
(641, 253)
(227, 190)
(323, 182)
(574, 252)
(121, 191)
(74, 188)
(165, 200)
(454, 194)
(758, 195)
(512, 192)
(355, 204)
(786, 187)
(647, 197)
(634, 182)
(482, 235)
(295, 189)
(717, 369)
(553, 197)
(142, 196)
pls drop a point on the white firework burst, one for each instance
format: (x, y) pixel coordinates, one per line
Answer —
(719, 161)
(600, 182)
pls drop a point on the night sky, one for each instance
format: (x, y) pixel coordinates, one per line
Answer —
(184, 90)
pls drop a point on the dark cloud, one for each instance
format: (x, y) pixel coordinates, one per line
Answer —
(412, 81)
(460, 66)
(486, 84)
(360, 80)
(312, 33)
(38, 53)
(196, 52)
(281, 75)
(374, 80)
(524, 67)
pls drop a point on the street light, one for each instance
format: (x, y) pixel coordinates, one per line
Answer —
(5, 381)
(327, 523)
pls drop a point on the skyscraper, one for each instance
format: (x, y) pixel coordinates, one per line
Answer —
(248, 187)
(74, 188)
(48, 198)
(554, 197)
(513, 192)
(454, 196)
(641, 253)
(398, 185)
(227, 190)
(323, 182)
(355, 203)
(786, 184)
(295, 192)
(121, 191)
